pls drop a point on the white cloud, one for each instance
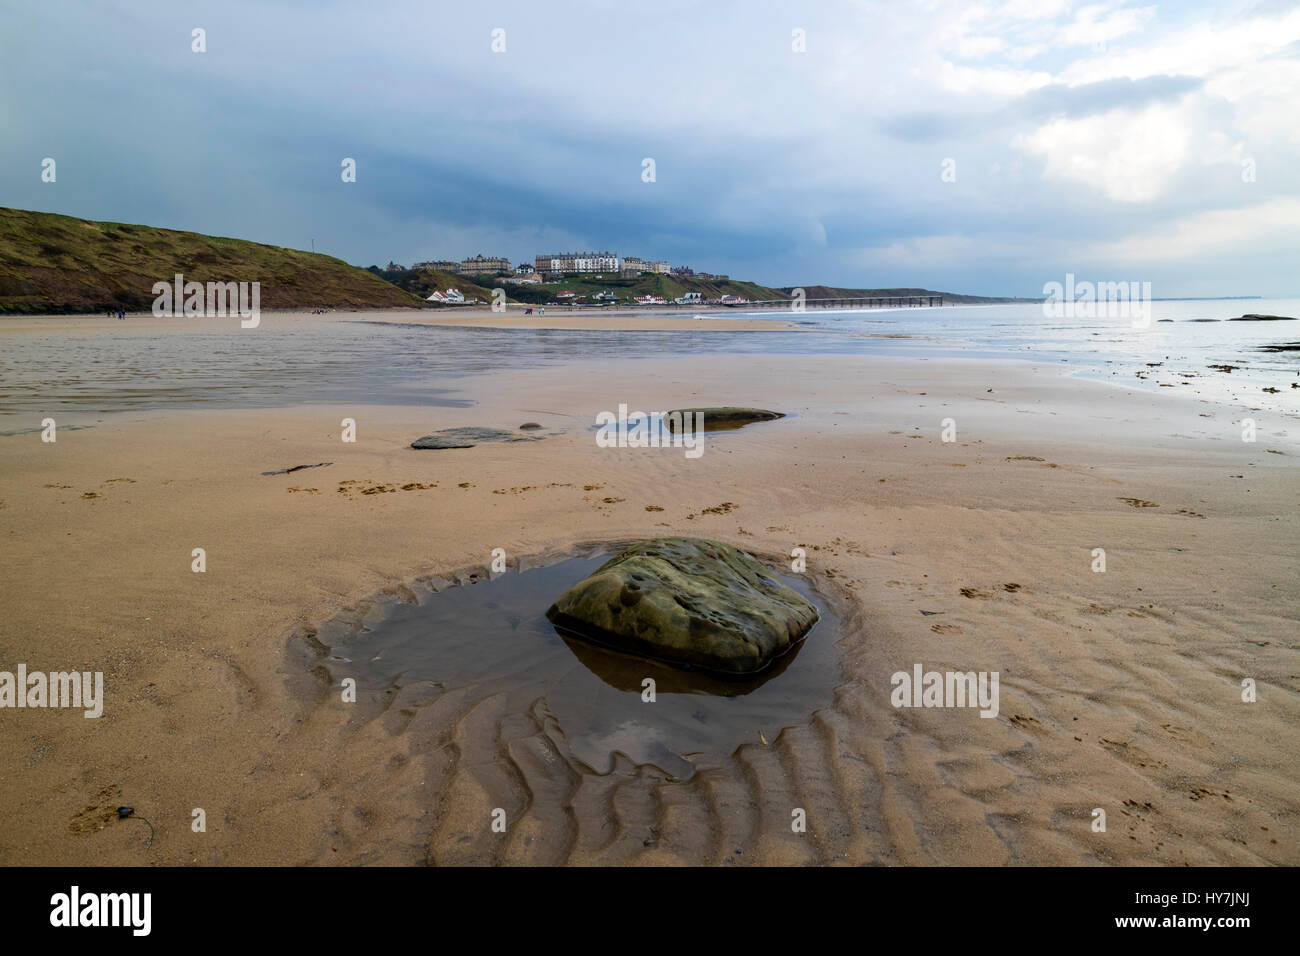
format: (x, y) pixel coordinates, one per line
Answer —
(1199, 50)
(1100, 24)
(994, 81)
(1273, 224)
(976, 47)
(1130, 156)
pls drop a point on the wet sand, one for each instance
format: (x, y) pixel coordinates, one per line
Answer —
(641, 319)
(1119, 690)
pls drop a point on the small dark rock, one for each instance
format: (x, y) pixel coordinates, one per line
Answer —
(441, 441)
(290, 471)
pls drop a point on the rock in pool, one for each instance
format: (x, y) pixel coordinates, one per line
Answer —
(529, 425)
(690, 602)
(726, 416)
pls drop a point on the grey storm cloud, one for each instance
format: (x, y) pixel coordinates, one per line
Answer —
(1047, 102)
(781, 166)
(1090, 99)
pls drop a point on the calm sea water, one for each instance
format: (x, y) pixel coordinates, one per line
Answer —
(373, 360)
(1183, 336)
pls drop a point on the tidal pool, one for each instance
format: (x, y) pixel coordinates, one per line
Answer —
(478, 637)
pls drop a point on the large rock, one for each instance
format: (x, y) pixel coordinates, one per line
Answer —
(689, 602)
(725, 417)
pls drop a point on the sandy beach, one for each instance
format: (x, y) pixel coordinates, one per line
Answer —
(614, 320)
(1120, 690)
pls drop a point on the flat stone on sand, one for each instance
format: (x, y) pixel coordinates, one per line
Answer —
(468, 437)
(690, 602)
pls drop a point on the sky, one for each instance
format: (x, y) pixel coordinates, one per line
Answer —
(985, 148)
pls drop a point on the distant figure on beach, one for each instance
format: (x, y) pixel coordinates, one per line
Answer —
(121, 314)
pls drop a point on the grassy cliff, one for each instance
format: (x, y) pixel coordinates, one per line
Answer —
(422, 282)
(51, 263)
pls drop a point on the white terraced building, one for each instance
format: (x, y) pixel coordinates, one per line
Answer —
(578, 262)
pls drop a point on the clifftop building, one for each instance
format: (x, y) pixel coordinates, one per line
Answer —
(441, 265)
(484, 266)
(578, 263)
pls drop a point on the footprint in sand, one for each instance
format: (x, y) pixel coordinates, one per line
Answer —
(97, 815)
(975, 594)
(91, 494)
(1024, 458)
(946, 629)
(1138, 503)
(1187, 735)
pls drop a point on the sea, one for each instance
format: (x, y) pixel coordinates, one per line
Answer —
(370, 357)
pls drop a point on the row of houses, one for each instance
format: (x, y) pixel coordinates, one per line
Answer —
(552, 266)
(611, 298)
(596, 263)
(479, 265)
